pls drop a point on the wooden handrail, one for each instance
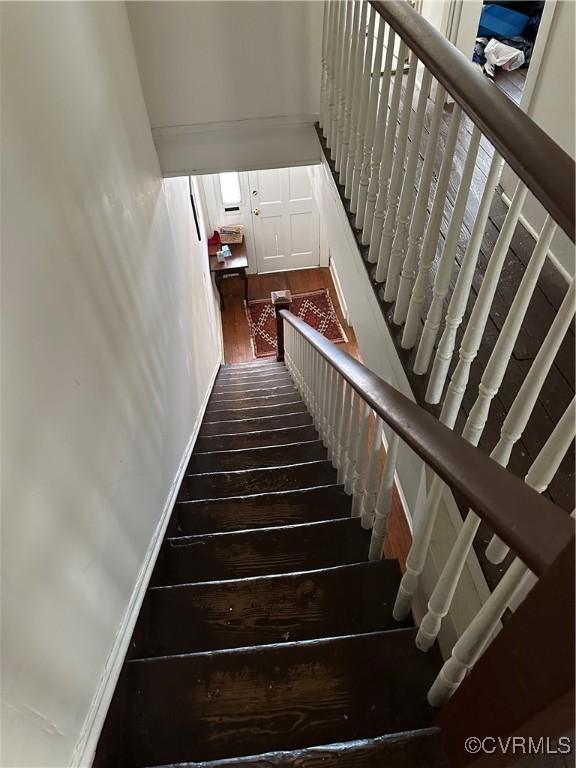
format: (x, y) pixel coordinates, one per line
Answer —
(546, 169)
(533, 527)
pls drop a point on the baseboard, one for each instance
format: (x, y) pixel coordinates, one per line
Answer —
(85, 749)
(339, 292)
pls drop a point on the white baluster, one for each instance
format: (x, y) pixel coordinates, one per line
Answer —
(379, 138)
(324, 64)
(407, 195)
(525, 400)
(364, 95)
(342, 155)
(316, 384)
(512, 428)
(370, 126)
(416, 559)
(446, 263)
(337, 418)
(542, 470)
(476, 637)
(418, 215)
(338, 33)
(331, 389)
(386, 163)
(461, 292)
(348, 169)
(354, 442)
(384, 501)
(329, 16)
(361, 465)
(499, 358)
(396, 178)
(429, 245)
(331, 71)
(344, 430)
(304, 372)
(371, 488)
(480, 313)
(348, 429)
(325, 407)
(342, 77)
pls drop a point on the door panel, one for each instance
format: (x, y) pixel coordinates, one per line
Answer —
(301, 233)
(285, 218)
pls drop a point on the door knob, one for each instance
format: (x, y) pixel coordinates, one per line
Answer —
(256, 211)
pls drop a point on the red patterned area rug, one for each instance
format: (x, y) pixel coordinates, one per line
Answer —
(314, 307)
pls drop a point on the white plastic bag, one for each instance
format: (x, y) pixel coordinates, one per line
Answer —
(500, 55)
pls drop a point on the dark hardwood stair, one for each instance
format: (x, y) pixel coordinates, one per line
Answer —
(261, 551)
(260, 438)
(233, 613)
(216, 405)
(244, 482)
(248, 383)
(270, 456)
(263, 510)
(248, 411)
(247, 393)
(295, 418)
(266, 637)
(421, 748)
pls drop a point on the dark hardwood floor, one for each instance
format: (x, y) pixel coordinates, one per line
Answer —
(512, 83)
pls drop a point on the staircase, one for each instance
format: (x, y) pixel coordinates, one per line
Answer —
(266, 638)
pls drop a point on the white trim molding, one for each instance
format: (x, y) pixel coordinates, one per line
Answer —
(240, 145)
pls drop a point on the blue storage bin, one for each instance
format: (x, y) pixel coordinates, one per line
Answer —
(498, 21)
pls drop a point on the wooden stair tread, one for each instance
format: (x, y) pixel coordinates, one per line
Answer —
(253, 382)
(294, 405)
(235, 613)
(261, 551)
(257, 458)
(411, 749)
(258, 439)
(237, 702)
(216, 404)
(252, 365)
(264, 510)
(296, 418)
(254, 391)
(241, 377)
(220, 485)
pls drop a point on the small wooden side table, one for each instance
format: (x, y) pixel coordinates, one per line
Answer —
(237, 264)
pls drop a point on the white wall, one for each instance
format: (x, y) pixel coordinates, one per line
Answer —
(457, 20)
(110, 340)
(549, 99)
(230, 85)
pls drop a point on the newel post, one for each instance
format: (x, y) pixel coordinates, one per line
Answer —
(280, 300)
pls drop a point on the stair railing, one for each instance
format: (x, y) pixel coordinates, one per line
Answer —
(423, 168)
(350, 406)
(418, 192)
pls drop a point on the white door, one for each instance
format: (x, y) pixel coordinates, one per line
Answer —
(285, 219)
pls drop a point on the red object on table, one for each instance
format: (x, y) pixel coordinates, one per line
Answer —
(215, 239)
